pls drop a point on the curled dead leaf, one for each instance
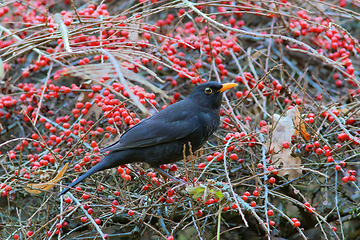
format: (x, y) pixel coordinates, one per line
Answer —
(36, 188)
(300, 128)
(94, 109)
(282, 132)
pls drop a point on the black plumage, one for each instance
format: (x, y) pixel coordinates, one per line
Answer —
(160, 139)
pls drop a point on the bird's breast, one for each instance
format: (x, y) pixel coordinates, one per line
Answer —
(209, 122)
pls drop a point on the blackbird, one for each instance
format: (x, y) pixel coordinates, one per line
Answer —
(161, 138)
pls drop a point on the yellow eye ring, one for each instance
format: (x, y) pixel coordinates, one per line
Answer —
(208, 90)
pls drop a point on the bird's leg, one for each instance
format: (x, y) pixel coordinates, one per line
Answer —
(168, 175)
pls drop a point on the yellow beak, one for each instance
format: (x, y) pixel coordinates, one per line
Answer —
(227, 86)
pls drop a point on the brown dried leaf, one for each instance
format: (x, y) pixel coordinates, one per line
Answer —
(44, 175)
(282, 132)
(46, 186)
(83, 97)
(300, 128)
(94, 109)
(134, 35)
(289, 161)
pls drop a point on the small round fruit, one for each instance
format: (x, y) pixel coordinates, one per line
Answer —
(130, 212)
(286, 144)
(272, 180)
(296, 224)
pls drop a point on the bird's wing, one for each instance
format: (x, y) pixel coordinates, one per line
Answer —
(165, 126)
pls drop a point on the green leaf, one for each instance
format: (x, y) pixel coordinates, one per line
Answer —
(195, 191)
(219, 195)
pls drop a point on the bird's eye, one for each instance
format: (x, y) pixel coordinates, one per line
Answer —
(208, 90)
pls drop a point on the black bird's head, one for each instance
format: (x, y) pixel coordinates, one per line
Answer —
(209, 95)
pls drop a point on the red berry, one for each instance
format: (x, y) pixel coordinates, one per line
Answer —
(345, 179)
(330, 159)
(233, 156)
(298, 101)
(130, 212)
(79, 105)
(350, 121)
(34, 136)
(253, 203)
(309, 147)
(262, 123)
(272, 180)
(25, 74)
(352, 178)
(173, 167)
(286, 144)
(170, 192)
(210, 201)
(296, 224)
(201, 166)
(319, 151)
(270, 212)
(338, 83)
(127, 177)
(113, 210)
(85, 196)
(90, 211)
(239, 94)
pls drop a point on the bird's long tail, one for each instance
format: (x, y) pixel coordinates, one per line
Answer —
(113, 159)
